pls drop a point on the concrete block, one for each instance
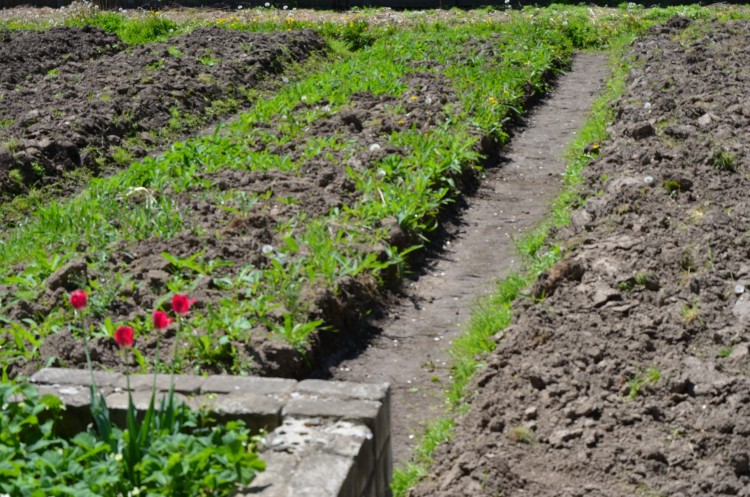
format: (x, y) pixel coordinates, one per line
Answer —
(370, 413)
(186, 384)
(257, 411)
(273, 482)
(278, 387)
(77, 400)
(118, 404)
(323, 475)
(344, 389)
(383, 471)
(378, 392)
(62, 376)
(362, 451)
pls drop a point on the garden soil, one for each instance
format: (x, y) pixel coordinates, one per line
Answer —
(625, 370)
(72, 96)
(245, 238)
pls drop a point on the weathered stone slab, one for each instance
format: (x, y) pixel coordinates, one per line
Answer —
(263, 386)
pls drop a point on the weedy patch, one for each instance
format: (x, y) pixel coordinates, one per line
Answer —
(648, 377)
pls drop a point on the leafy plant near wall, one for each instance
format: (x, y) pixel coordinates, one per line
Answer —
(188, 458)
(170, 451)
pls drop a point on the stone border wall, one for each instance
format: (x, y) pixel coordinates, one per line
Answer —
(325, 439)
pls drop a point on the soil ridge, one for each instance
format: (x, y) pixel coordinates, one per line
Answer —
(631, 375)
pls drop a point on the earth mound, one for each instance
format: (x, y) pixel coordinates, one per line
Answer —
(71, 96)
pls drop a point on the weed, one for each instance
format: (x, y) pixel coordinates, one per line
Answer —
(174, 52)
(724, 161)
(725, 352)
(522, 434)
(650, 376)
(122, 156)
(16, 177)
(690, 313)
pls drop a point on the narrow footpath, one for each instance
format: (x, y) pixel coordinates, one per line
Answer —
(411, 351)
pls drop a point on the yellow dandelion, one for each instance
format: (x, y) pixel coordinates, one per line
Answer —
(414, 97)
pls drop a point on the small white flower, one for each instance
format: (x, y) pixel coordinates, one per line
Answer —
(284, 7)
(374, 147)
(647, 105)
(648, 180)
(239, 7)
(303, 98)
(267, 249)
(267, 4)
(118, 457)
(565, 23)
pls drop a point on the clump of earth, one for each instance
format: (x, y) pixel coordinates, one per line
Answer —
(625, 371)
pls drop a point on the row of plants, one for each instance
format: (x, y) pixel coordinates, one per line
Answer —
(411, 187)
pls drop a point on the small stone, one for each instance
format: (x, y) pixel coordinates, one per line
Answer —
(740, 351)
(642, 130)
(648, 180)
(560, 437)
(741, 309)
(705, 119)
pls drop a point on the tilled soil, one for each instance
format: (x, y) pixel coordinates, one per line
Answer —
(625, 371)
(71, 96)
(247, 239)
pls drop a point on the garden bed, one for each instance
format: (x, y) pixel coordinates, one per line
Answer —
(81, 98)
(624, 372)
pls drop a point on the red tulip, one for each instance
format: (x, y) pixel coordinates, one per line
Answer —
(124, 336)
(78, 299)
(181, 304)
(161, 321)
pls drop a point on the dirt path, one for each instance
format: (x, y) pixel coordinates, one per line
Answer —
(410, 353)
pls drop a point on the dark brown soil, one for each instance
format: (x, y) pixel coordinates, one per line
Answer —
(628, 374)
(71, 96)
